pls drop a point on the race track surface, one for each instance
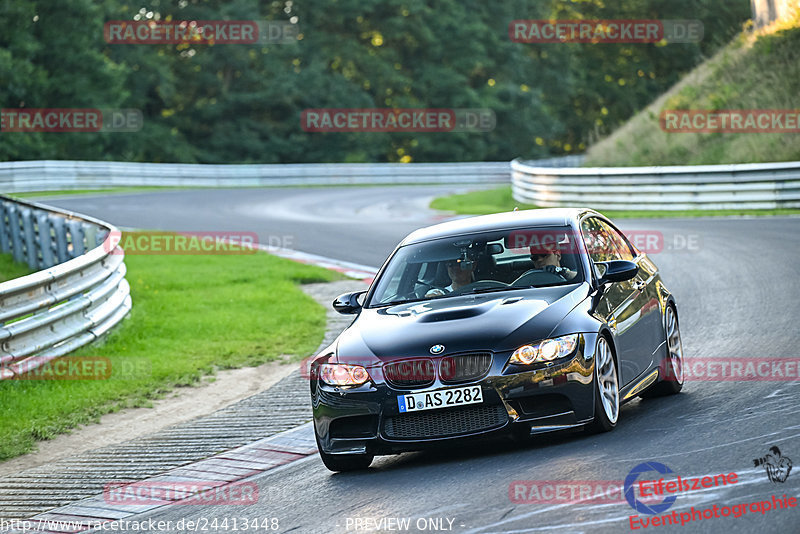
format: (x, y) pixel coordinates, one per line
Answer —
(735, 281)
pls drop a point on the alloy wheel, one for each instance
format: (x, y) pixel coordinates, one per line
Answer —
(607, 382)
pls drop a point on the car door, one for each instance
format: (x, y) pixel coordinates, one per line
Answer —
(647, 300)
(645, 312)
(619, 301)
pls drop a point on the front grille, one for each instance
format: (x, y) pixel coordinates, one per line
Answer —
(412, 373)
(446, 422)
(464, 367)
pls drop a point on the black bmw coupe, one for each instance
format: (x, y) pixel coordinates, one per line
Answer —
(520, 323)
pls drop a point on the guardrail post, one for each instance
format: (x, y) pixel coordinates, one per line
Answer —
(90, 231)
(16, 237)
(60, 230)
(30, 238)
(5, 243)
(76, 238)
(45, 240)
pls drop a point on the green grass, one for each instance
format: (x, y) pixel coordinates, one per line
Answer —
(500, 200)
(10, 269)
(191, 315)
(110, 190)
(752, 72)
(148, 188)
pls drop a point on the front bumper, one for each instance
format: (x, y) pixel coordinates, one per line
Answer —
(539, 398)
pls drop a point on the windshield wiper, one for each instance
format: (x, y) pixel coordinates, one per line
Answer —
(485, 290)
(396, 302)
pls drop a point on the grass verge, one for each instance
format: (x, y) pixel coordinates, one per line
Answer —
(500, 199)
(10, 269)
(110, 190)
(150, 188)
(191, 316)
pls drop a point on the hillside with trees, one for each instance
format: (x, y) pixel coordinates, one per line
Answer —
(759, 71)
(235, 103)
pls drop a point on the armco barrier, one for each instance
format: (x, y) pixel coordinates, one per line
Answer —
(744, 186)
(78, 294)
(17, 176)
(51, 175)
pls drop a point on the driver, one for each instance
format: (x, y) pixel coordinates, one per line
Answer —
(461, 273)
(549, 260)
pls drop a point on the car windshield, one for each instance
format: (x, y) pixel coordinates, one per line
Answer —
(480, 263)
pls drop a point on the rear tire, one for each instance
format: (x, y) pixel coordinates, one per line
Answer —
(671, 369)
(606, 389)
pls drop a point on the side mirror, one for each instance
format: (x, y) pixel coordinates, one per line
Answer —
(348, 303)
(616, 271)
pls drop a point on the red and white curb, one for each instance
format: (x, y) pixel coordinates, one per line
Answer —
(229, 467)
(353, 270)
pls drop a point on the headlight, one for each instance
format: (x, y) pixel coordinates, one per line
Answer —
(337, 374)
(545, 351)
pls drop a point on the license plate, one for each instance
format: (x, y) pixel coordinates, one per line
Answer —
(443, 398)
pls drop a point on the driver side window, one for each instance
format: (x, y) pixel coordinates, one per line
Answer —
(623, 250)
(598, 241)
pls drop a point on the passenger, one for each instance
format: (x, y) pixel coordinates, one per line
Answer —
(461, 273)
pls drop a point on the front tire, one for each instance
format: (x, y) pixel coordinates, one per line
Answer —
(672, 368)
(606, 389)
(344, 462)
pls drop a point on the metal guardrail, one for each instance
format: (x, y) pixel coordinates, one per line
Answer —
(20, 176)
(78, 295)
(560, 161)
(80, 291)
(744, 186)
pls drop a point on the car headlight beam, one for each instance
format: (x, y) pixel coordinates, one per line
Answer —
(546, 350)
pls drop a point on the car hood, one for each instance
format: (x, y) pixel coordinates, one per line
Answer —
(493, 321)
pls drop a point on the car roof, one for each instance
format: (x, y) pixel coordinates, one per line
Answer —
(499, 221)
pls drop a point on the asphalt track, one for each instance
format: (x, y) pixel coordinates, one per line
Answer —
(735, 281)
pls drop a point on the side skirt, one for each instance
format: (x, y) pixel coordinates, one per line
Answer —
(637, 387)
